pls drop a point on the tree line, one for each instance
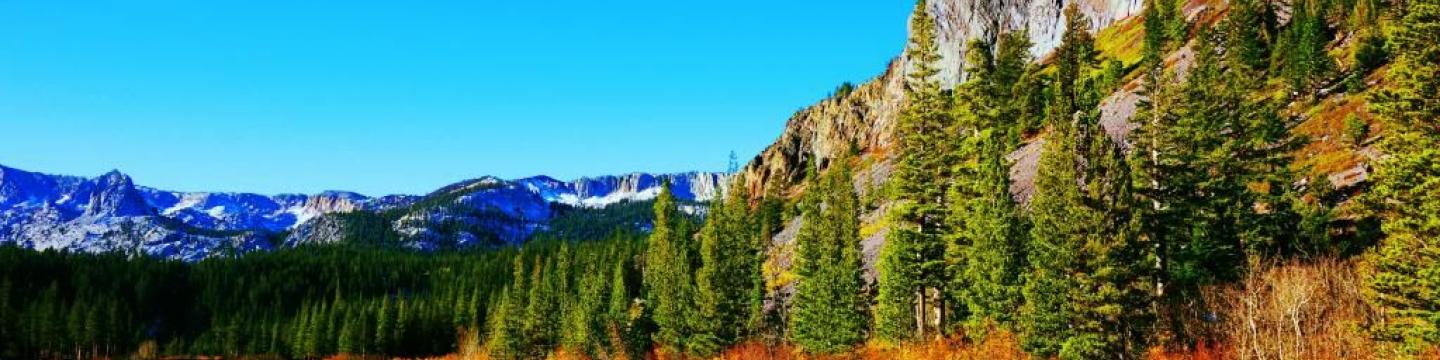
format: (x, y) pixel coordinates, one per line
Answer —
(1108, 257)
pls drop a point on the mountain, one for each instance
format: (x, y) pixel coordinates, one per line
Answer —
(863, 119)
(111, 213)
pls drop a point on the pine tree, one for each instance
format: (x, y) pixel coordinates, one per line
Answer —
(504, 340)
(759, 234)
(826, 314)
(1301, 58)
(669, 264)
(984, 251)
(347, 342)
(582, 330)
(1156, 42)
(620, 322)
(1203, 143)
(912, 262)
(1250, 30)
(544, 302)
(383, 325)
(1406, 194)
(1086, 295)
(399, 338)
(989, 240)
(1013, 91)
(727, 262)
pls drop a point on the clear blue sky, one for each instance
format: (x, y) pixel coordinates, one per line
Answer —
(405, 96)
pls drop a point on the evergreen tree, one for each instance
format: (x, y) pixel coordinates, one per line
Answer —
(347, 342)
(383, 325)
(543, 303)
(1085, 293)
(504, 339)
(1202, 146)
(1250, 32)
(985, 249)
(826, 314)
(1301, 57)
(585, 314)
(669, 265)
(620, 322)
(912, 263)
(989, 240)
(1406, 194)
(727, 261)
(1155, 44)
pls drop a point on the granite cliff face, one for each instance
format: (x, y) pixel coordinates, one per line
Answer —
(864, 119)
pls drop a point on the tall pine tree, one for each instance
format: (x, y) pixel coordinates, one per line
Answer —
(1086, 292)
(1406, 282)
(727, 269)
(912, 267)
(985, 250)
(668, 276)
(827, 311)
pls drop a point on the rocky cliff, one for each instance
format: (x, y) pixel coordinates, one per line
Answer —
(864, 119)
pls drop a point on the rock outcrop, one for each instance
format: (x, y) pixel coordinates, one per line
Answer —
(864, 119)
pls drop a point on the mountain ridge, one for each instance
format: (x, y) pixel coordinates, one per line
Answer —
(112, 213)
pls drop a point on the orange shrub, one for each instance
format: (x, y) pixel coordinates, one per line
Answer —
(1297, 311)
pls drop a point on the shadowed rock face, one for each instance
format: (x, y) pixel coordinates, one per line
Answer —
(864, 119)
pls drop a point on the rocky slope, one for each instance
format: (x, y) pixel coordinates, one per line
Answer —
(112, 213)
(864, 119)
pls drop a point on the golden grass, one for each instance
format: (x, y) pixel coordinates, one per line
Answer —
(1328, 151)
(1123, 40)
(999, 346)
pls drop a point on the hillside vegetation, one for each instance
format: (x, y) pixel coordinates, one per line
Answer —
(1273, 192)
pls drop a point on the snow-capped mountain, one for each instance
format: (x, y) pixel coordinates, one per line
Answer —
(111, 213)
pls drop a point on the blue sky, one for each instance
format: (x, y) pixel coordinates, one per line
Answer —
(405, 96)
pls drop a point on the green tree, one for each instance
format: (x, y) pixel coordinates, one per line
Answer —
(912, 265)
(1301, 57)
(1202, 146)
(826, 314)
(989, 240)
(348, 342)
(582, 329)
(669, 265)
(984, 252)
(727, 258)
(1086, 292)
(1406, 194)
(1251, 26)
(385, 326)
(504, 339)
(544, 303)
(1155, 41)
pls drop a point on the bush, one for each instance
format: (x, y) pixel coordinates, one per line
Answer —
(1297, 311)
(1370, 53)
(1356, 130)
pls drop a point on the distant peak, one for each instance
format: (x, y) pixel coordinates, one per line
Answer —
(343, 194)
(115, 177)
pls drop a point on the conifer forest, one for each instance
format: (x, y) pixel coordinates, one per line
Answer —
(1010, 214)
